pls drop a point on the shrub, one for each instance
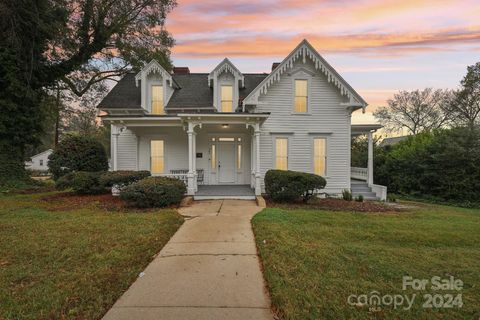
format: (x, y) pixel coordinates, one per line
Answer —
(289, 186)
(77, 153)
(391, 197)
(154, 192)
(359, 198)
(347, 195)
(122, 178)
(81, 182)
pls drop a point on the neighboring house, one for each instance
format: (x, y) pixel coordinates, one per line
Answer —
(227, 128)
(392, 141)
(39, 161)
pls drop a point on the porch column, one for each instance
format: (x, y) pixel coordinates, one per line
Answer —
(258, 189)
(114, 153)
(370, 158)
(253, 159)
(195, 161)
(191, 174)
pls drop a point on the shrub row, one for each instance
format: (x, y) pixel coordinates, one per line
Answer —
(289, 186)
(154, 192)
(81, 182)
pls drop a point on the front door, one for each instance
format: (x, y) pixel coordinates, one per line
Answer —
(226, 162)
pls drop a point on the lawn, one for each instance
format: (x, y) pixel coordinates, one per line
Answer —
(314, 260)
(65, 258)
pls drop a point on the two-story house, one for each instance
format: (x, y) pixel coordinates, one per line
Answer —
(221, 131)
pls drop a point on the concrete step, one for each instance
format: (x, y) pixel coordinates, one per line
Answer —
(361, 189)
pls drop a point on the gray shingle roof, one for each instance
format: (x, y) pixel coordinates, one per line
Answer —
(194, 92)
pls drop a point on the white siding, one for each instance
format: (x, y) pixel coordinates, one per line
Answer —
(325, 117)
(127, 151)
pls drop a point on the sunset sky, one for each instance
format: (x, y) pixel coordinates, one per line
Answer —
(378, 46)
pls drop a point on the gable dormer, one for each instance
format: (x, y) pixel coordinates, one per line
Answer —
(156, 87)
(226, 81)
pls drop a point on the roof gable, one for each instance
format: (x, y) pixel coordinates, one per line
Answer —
(226, 66)
(303, 51)
(153, 66)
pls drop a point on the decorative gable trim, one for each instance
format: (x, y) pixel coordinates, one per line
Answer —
(302, 51)
(226, 66)
(153, 67)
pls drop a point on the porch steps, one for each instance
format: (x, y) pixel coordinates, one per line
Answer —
(220, 192)
(213, 197)
(361, 188)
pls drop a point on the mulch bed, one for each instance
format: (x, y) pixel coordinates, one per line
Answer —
(67, 201)
(337, 205)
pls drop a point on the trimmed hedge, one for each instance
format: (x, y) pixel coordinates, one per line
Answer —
(122, 177)
(154, 192)
(77, 153)
(81, 182)
(289, 186)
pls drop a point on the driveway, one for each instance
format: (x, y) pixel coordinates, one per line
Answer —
(208, 270)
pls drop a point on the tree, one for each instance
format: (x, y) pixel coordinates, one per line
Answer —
(416, 110)
(81, 43)
(465, 106)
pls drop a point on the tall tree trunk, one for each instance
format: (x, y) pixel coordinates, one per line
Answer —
(57, 117)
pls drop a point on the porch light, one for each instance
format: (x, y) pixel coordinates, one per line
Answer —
(225, 125)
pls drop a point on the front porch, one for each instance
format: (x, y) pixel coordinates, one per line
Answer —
(241, 192)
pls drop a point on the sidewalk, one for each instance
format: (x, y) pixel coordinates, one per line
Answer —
(208, 270)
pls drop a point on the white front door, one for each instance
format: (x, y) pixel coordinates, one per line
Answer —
(226, 162)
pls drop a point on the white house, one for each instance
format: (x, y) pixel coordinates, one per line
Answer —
(221, 131)
(39, 161)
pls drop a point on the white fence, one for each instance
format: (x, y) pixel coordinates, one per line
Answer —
(359, 173)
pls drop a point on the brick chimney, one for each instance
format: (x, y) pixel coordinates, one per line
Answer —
(275, 65)
(181, 70)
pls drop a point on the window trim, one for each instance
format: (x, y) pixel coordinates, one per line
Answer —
(302, 75)
(327, 152)
(157, 84)
(274, 146)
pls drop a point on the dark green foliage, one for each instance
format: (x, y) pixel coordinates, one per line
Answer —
(77, 153)
(122, 177)
(443, 165)
(81, 182)
(154, 192)
(289, 186)
(65, 182)
(347, 195)
(359, 198)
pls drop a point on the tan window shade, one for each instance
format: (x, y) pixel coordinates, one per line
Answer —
(157, 156)
(319, 156)
(301, 96)
(157, 100)
(239, 157)
(213, 160)
(227, 98)
(281, 153)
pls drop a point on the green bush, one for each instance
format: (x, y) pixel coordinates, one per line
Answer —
(359, 198)
(122, 178)
(81, 182)
(288, 186)
(443, 164)
(77, 153)
(347, 195)
(154, 192)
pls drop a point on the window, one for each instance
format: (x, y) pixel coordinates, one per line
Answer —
(281, 154)
(157, 100)
(301, 96)
(227, 99)
(41, 162)
(226, 139)
(319, 156)
(157, 156)
(213, 159)
(239, 157)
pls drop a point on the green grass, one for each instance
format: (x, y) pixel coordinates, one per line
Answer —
(72, 264)
(314, 260)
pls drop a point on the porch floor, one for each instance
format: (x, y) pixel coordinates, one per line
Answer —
(224, 192)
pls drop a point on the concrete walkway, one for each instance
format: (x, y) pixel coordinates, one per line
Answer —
(208, 270)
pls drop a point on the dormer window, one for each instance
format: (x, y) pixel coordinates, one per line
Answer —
(227, 99)
(301, 96)
(157, 99)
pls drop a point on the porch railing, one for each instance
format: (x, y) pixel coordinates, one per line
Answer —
(182, 174)
(359, 173)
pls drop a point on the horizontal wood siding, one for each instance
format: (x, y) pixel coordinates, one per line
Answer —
(127, 151)
(326, 118)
